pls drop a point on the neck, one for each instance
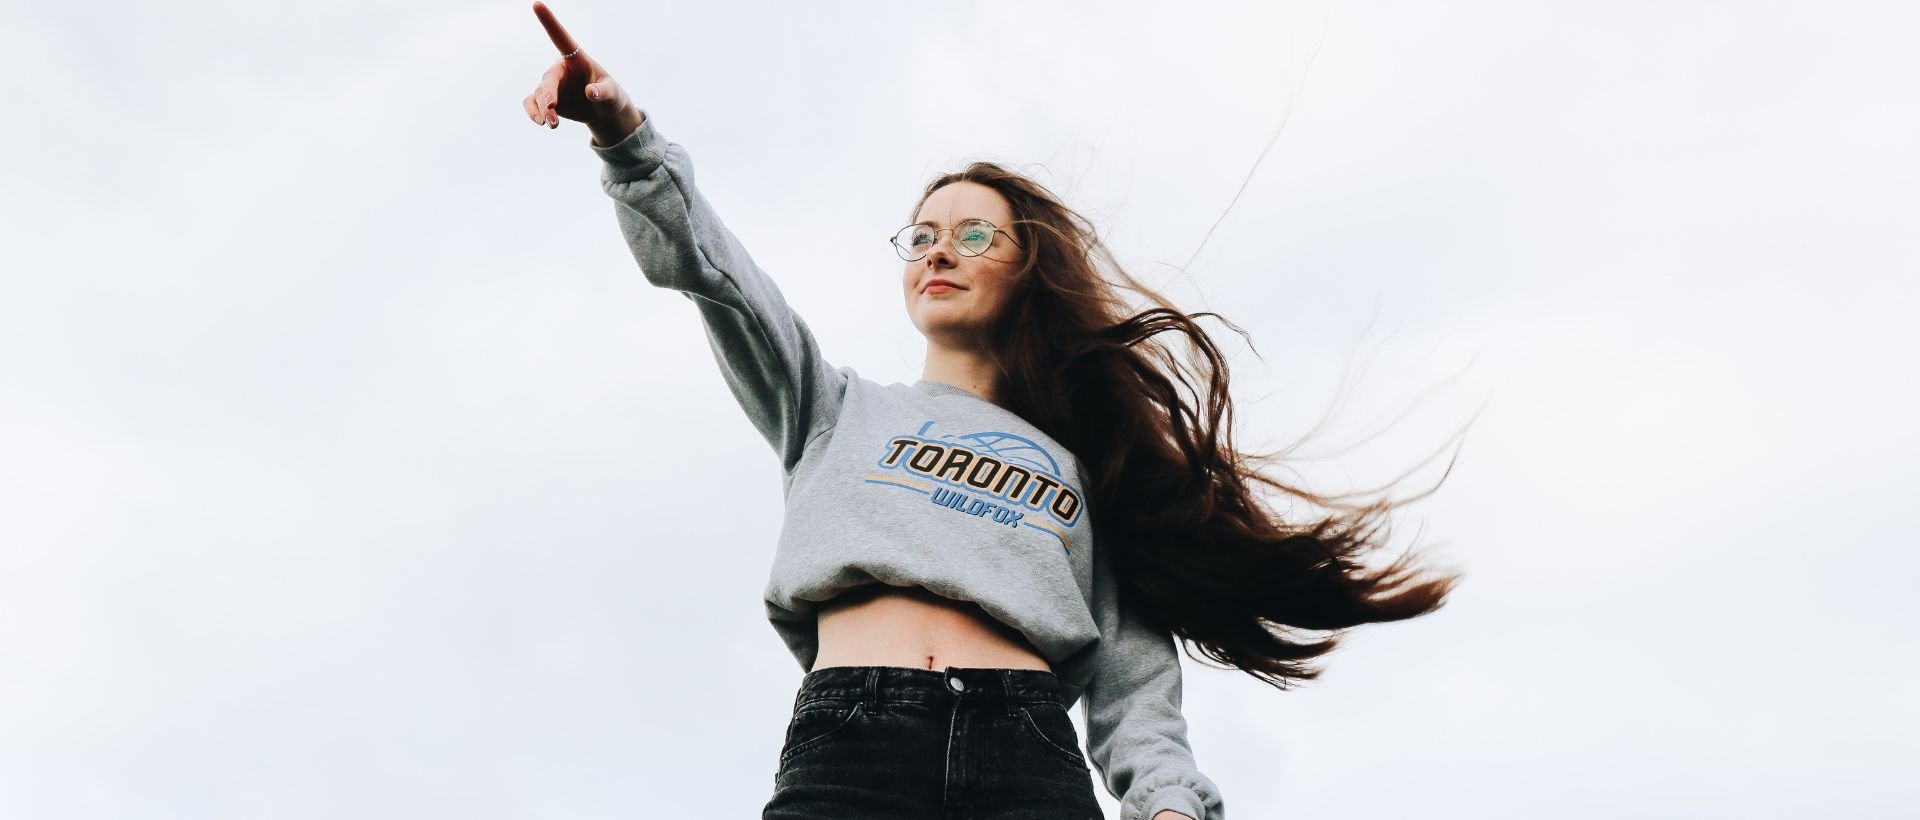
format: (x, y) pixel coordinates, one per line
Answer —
(964, 368)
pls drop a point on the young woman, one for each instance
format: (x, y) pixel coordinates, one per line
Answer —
(938, 574)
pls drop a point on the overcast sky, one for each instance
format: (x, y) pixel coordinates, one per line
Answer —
(350, 468)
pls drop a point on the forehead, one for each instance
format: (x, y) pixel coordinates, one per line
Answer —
(960, 201)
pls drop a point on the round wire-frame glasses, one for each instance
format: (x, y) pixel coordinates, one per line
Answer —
(904, 241)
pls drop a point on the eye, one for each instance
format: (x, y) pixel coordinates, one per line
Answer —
(976, 235)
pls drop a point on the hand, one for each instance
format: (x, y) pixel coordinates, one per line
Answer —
(1170, 814)
(578, 89)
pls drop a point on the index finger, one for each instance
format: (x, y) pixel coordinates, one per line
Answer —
(555, 32)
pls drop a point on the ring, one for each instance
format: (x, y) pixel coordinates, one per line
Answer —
(569, 55)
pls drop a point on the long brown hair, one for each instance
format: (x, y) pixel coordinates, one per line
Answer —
(1195, 548)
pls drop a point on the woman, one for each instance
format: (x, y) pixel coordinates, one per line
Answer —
(937, 574)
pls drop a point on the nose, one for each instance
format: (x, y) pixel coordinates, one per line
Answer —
(942, 255)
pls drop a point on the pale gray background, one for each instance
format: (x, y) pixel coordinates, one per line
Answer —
(349, 468)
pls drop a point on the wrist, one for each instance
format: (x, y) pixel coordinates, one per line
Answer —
(607, 132)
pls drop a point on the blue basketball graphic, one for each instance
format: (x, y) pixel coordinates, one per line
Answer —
(1011, 449)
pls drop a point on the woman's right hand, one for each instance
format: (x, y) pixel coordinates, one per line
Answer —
(578, 89)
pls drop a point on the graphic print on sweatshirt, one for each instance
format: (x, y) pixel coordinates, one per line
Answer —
(998, 478)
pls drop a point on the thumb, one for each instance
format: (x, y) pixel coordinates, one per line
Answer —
(599, 92)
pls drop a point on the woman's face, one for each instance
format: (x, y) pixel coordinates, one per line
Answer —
(981, 285)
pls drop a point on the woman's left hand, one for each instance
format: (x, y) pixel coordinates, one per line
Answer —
(1170, 814)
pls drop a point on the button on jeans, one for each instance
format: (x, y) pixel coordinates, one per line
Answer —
(897, 742)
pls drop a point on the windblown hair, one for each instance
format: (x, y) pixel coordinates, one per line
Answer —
(1196, 549)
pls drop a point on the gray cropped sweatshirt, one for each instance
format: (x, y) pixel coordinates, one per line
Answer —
(924, 484)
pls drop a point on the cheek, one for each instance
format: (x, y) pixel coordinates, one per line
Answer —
(1003, 286)
(908, 300)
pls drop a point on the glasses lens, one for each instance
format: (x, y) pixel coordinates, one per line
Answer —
(973, 236)
(913, 241)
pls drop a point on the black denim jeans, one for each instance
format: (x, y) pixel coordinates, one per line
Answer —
(900, 743)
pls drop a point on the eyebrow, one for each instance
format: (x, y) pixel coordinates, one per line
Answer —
(963, 219)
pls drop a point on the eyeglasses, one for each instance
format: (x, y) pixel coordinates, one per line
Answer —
(970, 238)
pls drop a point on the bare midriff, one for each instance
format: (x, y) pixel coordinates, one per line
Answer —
(883, 625)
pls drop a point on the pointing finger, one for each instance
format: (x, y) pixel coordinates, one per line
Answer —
(555, 32)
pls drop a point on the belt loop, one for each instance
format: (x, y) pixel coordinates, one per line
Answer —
(1006, 692)
(872, 695)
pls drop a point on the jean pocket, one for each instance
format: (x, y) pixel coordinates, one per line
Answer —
(816, 723)
(1050, 723)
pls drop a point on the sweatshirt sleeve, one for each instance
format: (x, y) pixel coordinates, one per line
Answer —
(1136, 736)
(766, 353)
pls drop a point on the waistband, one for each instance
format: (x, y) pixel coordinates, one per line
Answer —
(879, 684)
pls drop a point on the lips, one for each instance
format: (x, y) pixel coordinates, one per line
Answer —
(939, 285)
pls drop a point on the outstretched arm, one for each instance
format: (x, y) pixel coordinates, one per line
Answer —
(766, 353)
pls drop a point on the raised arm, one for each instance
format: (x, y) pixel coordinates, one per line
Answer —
(766, 353)
(1136, 735)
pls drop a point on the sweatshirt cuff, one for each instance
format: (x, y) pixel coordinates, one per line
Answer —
(1179, 798)
(636, 156)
